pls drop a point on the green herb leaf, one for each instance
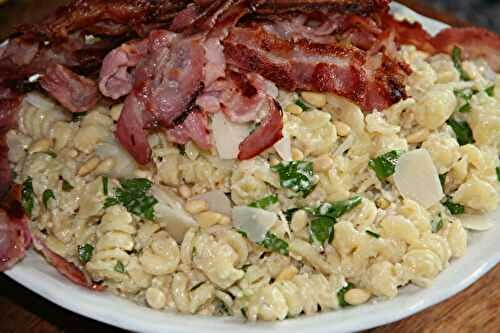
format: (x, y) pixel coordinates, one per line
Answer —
(498, 173)
(437, 224)
(490, 91)
(77, 116)
(456, 56)
(85, 253)
(385, 165)
(51, 154)
(321, 229)
(303, 105)
(466, 108)
(462, 130)
(132, 195)
(341, 294)
(454, 208)
(373, 234)
(275, 244)
(442, 179)
(338, 208)
(105, 182)
(119, 267)
(28, 196)
(66, 186)
(46, 196)
(297, 176)
(265, 202)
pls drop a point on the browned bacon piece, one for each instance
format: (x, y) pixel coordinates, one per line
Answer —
(15, 238)
(266, 135)
(66, 268)
(75, 92)
(474, 42)
(345, 6)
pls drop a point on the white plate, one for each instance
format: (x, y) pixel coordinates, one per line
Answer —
(482, 255)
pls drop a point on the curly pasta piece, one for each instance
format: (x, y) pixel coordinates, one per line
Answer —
(190, 301)
(161, 256)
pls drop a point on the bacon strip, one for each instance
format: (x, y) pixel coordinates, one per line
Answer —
(194, 127)
(349, 6)
(75, 92)
(69, 270)
(266, 135)
(15, 239)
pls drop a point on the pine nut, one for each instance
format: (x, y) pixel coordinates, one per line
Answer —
(89, 166)
(40, 146)
(299, 220)
(185, 191)
(382, 203)
(418, 136)
(287, 273)
(225, 220)
(297, 154)
(105, 166)
(356, 296)
(342, 128)
(116, 111)
(196, 206)
(155, 298)
(293, 109)
(315, 99)
(274, 161)
(322, 163)
(208, 219)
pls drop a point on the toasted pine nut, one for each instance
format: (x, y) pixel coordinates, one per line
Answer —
(208, 219)
(293, 109)
(357, 296)
(196, 206)
(382, 202)
(274, 161)
(155, 298)
(322, 163)
(315, 99)
(297, 155)
(287, 273)
(116, 111)
(40, 146)
(225, 220)
(342, 128)
(185, 191)
(105, 166)
(299, 220)
(89, 166)
(418, 136)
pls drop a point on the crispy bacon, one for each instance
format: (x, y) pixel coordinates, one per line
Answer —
(194, 127)
(347, 6)
(15, 239)
(266, 135)
(474, 42)
(75, 92)
(67, 269)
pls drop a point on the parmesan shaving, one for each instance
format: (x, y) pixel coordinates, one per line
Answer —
(217, 202)
(417, 179)
(476, 222)
(254, 222)
(284, 148)
(228, 136)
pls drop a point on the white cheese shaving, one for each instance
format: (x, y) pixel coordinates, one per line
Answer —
(217, 201)
(170, 213)
(39, 101)
(254, 222)
(476, 222)
(284, 148)
(228, 136)
(417, 179)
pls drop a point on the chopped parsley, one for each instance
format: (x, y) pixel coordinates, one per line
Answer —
(490, 91)
(498, 173)
(85, 253)
(46, 196)
(132, 195)
(437, 224)
(297, 176)
(466, 96)
(321, 229)
(275, 244)
(119, 267)
(27, 196)
(338, 208)
(373, 234)
(341, 294)
(462, 130)
(456, 56)
(454, 208)
(51, 154)
(303, 104)
(66, 186)
(105, 185)
(265, 202)
(385, 165)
